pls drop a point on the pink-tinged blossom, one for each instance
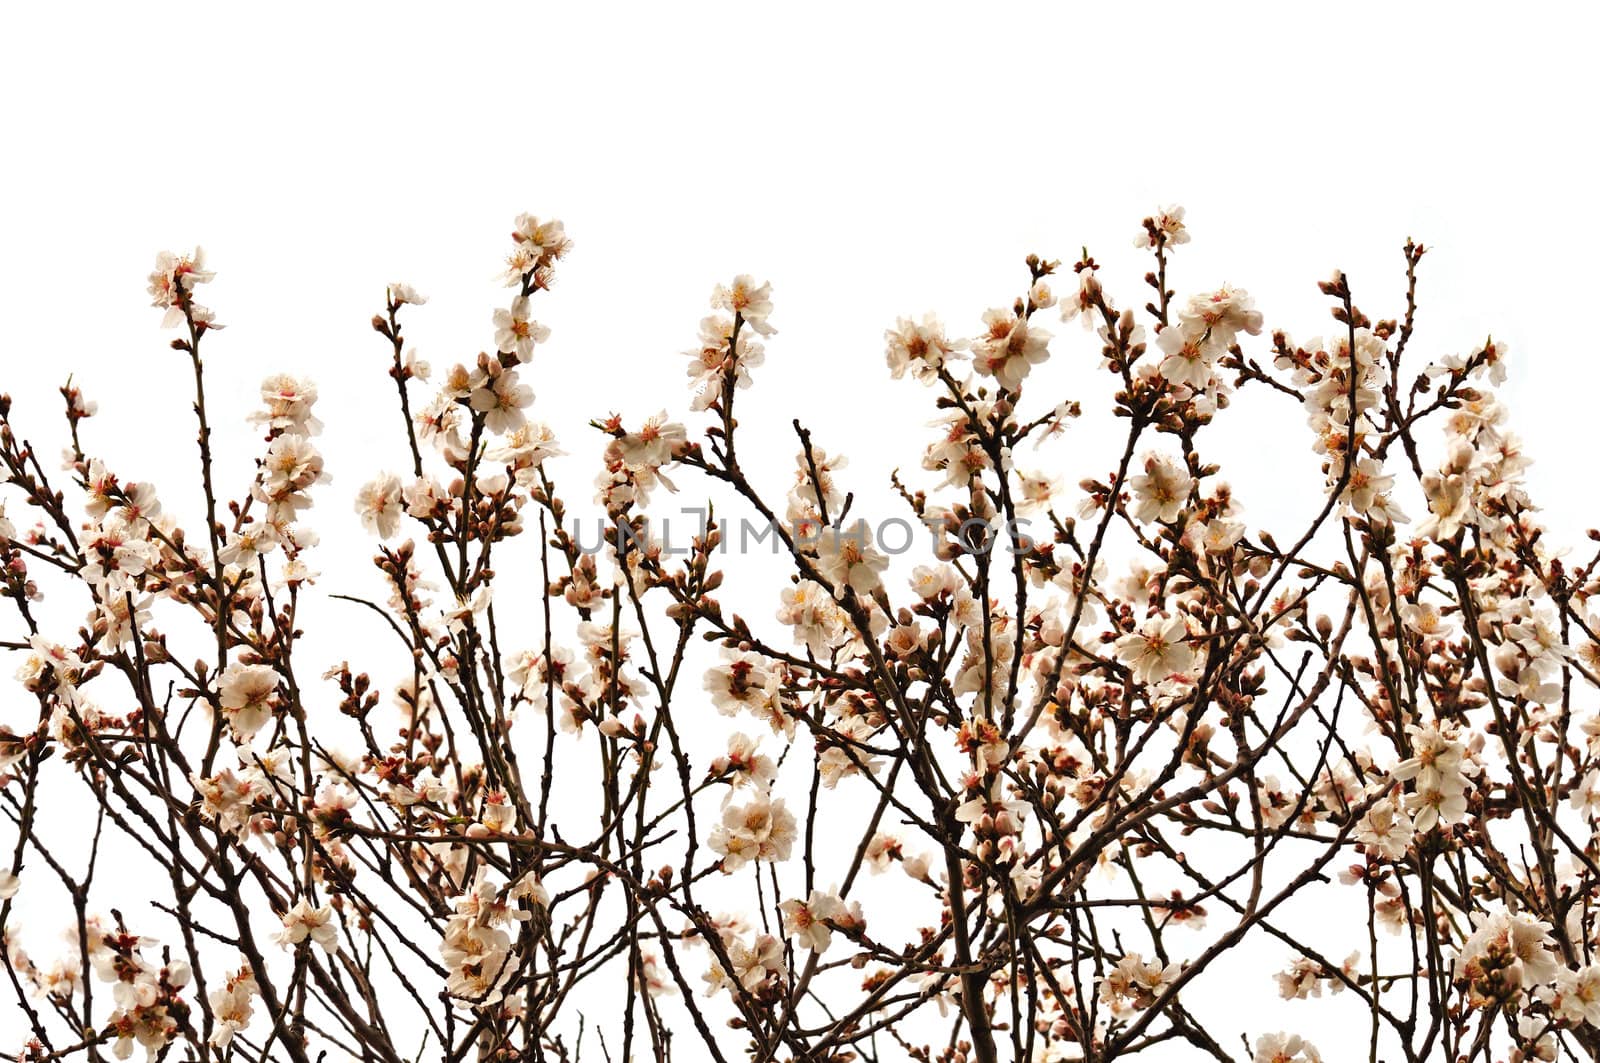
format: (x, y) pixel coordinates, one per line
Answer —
(248, 695)
(920, 349)
(1009, 348)
(1164, 229)
(303, 922)
(750, 301)
(1157, 650)
(380, 503)
(1161, 491)
(517, 333)
(847, 558)
(1285, 1048)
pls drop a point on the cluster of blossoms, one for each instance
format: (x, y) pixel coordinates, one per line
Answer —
(810, 922)
(172, 285)
(148, 996)
(1135, 983)
(1102, 735)
(1206, 329)
(476, 948)
(1438, 770)
(728, 349)
(755, 966)
(762, 829)
(233, 1004)
(634, 460)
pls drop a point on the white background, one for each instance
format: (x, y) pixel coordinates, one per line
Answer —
(870, 162)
